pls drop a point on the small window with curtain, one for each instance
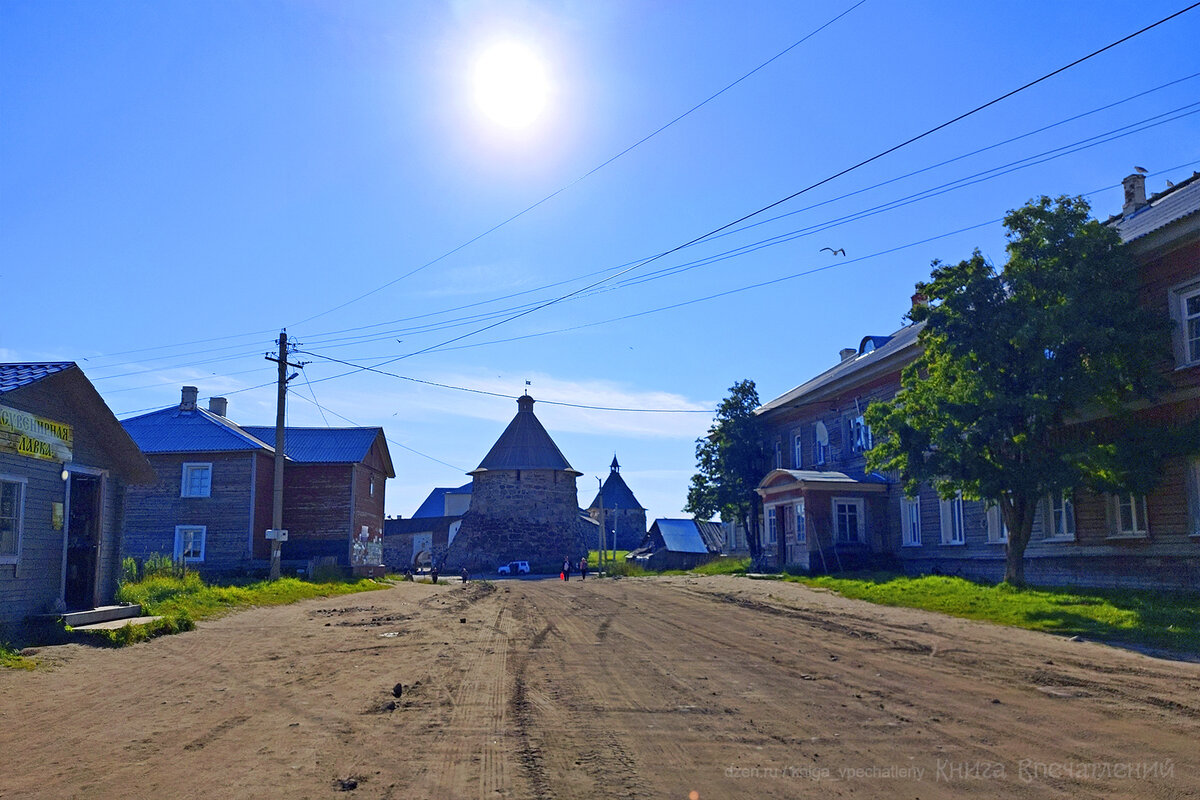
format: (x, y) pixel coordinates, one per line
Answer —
(1127, 516)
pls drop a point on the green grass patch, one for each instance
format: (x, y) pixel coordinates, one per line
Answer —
(11, 659)
(1153, 619)
(190, 596)
(723, 566)
(594, 558)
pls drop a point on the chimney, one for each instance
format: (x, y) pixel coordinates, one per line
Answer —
(188, 401)
(1135, 193)
(218, 406)
(847, 352)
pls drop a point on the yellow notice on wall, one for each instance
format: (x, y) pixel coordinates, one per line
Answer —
(33, 436)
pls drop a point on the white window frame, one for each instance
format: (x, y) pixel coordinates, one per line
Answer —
(1140, 528)
(798, 451)
(185, 486)
(910, 521)
(820, 451)
(860, 534)
(953, 531)
(778, 454)
(997, 530)
(1059, 508)
(772, 526)
(21, 483)
(860, 434)
(1178, 304)
(180, 531)
(801, 523)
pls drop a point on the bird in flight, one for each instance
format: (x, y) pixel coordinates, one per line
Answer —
(839, 251)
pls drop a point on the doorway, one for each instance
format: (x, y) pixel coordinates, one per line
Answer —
(83, 541)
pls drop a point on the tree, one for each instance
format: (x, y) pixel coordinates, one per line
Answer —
(1012, 360)
(730, 463)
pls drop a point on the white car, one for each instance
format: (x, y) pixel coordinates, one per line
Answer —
(514, 568)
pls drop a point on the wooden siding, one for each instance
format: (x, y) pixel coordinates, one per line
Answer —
(152, 512)
(34, 584)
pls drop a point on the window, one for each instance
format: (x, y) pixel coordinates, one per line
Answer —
(910, 521)
(1191, 319)
(189, 542)
(797, 451)
(1060, 521)
(371, 487)
(1128, 512)
(801, 528)
(952, 521)
(197, 480)
(997, 530)
(12, 512)
(1185, 312)
(820, 444)
(860, 434)
(772, 527)
(849, 521)
(778, 454)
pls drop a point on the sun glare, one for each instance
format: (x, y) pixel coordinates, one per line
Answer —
(511, 86)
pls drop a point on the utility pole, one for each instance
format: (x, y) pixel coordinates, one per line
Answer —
(601, 549)
(276, 531)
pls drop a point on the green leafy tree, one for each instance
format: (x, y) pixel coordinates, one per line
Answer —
(730, 463)
(1014, 359)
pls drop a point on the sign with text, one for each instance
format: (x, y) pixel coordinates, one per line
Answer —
(278, 534)
(33, 436)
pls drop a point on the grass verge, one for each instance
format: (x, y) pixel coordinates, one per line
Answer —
(1148, 619)
(11, 659)
(190, 596)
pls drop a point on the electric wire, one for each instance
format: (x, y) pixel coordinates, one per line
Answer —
(806, 189)
(327, 337)
(590, 172)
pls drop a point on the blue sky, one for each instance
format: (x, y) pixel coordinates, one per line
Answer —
(178, 181)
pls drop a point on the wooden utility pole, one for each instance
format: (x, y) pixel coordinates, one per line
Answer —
(601, 549)
(280, 416)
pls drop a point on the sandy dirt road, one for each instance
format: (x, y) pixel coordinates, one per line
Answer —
(638, 688)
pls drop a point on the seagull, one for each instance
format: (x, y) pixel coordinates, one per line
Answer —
(1170, 185)
(840, 250)
(1142, 170)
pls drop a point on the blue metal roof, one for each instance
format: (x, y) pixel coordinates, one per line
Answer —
(320, 445)
(173, 431)
(14, 376)
(681, 535)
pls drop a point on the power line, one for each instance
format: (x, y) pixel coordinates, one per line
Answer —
(808, 188)
(590, 172)
(360, 367)
(321, 338)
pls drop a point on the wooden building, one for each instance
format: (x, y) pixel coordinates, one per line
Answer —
(822, 511)
(212, 502)
(65, 465)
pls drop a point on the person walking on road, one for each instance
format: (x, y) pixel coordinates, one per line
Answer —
(583, 568)
(566, 569)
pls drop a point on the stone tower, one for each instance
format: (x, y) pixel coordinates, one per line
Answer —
(623, 514)
(524, 503)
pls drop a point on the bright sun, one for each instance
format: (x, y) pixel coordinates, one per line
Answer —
(511, 85)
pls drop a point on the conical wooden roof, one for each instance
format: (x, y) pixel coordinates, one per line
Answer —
(525, 444)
